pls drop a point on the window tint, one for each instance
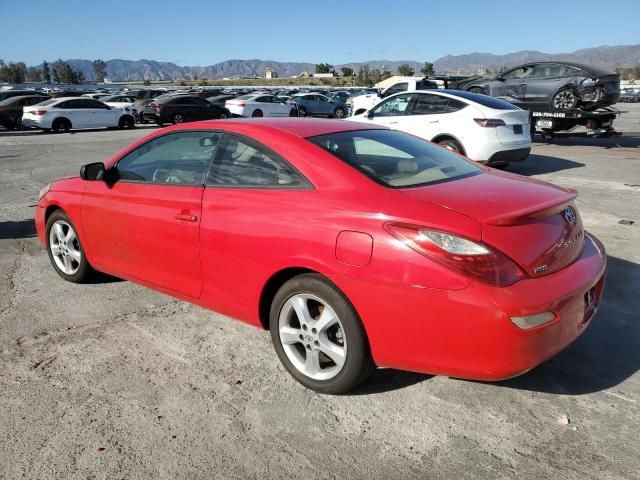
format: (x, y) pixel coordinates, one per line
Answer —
(72, 104)
(393, 107)
(201, 102)
(548, 70)
(396, 159)
(263, 99)
(522, 72)
(483, 100)
(90, 103)
(239, 162)
(179, 158)
(397, 88)
(433, 104)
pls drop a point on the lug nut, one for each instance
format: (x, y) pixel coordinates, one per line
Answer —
(304, 327)
(313, 330)
(316, 343)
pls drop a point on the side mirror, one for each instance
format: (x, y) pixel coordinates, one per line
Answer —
(92, 171)
(370, 114)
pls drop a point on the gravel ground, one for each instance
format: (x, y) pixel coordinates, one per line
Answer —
(112, 380)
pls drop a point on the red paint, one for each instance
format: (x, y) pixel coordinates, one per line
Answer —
(218, 247)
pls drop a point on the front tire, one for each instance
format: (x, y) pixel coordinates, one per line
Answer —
(339, 112)
(302, 112)
(318, 335)
(65, 249)
(178, 118)
(257, 113)
(126, 121)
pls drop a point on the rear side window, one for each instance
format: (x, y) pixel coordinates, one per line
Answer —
(396, 159)
(433, 104)
(242, 163)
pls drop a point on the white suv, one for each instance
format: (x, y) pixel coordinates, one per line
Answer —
(484, 129)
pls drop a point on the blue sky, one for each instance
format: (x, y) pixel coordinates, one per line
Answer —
(198, 32)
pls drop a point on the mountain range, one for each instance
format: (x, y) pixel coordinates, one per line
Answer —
(606, 57)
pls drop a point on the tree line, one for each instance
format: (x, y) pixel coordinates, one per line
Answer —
(59, 72)
(367, 76)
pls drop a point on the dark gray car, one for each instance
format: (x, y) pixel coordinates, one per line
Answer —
(558, 85)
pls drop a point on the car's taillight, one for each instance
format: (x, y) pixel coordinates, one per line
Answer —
(474, 259)
(239, 104)
(490, 122)
(39, 112)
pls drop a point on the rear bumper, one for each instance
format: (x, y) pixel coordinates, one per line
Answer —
(469, 333)
(508, 156)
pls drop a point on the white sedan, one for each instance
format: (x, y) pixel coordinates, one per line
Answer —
(66, 113)
(480, 127)
(260, 105)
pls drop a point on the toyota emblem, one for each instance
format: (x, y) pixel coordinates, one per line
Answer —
(569, 215)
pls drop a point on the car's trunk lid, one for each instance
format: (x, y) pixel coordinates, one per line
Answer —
(533, 222)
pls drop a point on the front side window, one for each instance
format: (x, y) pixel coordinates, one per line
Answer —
(243, 163)
(178, 158)
(392, 107)
(548, 70)
(396, 159)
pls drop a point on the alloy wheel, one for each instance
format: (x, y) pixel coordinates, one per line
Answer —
(564, 100)
(65, 247)
(312, 336)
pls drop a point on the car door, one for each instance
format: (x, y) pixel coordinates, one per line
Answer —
(249, 194)
(146, 224)
(430, 115)
(512, 85)
(390, 112)
(204, 109)
(75, 110)
(101, 114)
(546, 79)
(325, 107)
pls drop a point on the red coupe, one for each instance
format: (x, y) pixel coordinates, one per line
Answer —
(356, 246)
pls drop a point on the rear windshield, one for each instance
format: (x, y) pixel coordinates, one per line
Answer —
(484, 100)
(396, 159)
(245, 97)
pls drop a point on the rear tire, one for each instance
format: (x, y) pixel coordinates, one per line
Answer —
(293, 113)
(310, 315)
(257, 113)
(61, 125)
(565, 99)
(451, 144)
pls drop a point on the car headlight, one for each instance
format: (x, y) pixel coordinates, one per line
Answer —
(43, 191)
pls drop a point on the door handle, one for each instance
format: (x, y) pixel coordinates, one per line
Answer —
(393, 123)
(183, 217)
(434, 121)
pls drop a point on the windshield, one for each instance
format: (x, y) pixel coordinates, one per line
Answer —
(396, 159)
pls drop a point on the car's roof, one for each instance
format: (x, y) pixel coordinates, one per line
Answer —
(300, 127)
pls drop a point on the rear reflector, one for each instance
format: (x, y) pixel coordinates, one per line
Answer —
(490, 122)
(531, 321)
